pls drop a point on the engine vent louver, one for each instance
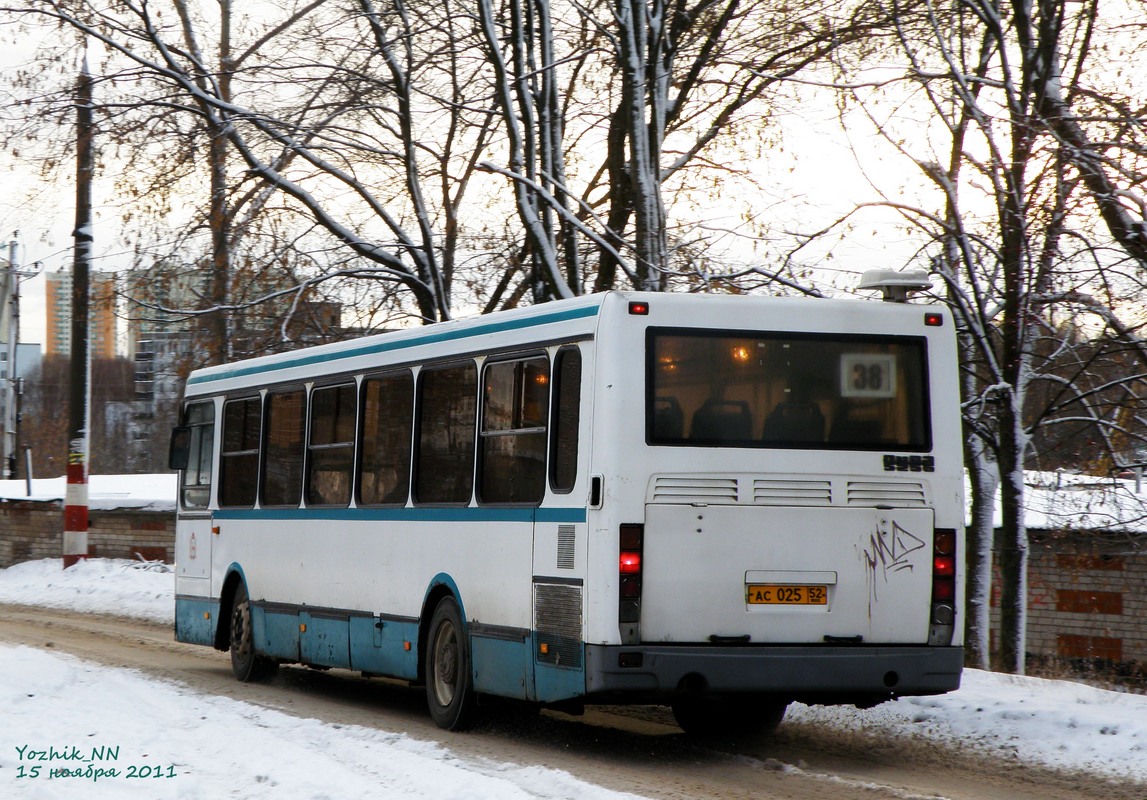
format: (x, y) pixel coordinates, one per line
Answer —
(567, 541)
(786, 491)
(687, 489)
(886, 493)
(792, 493)
(557, 617)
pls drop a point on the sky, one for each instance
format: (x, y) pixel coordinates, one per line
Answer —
(206, 747)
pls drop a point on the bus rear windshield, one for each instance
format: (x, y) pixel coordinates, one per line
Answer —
(738, 389)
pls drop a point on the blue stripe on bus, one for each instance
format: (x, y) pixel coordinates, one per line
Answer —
(551, 515)
(384, 346)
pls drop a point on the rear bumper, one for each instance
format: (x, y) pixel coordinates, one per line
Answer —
(854, 674)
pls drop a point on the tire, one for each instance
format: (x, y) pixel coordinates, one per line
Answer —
(449, 690)
(248, 665)
(728, 716)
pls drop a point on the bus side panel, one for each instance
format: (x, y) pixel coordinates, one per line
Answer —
(501, 667)
(277, 634)
(324, 639)
(196, 619)
(377, 646)
(556, 683)
(196, 606)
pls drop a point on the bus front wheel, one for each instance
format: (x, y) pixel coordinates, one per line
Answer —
(247, 665)
(449, 691)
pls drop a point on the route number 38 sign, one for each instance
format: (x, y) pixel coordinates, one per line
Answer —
(867, 375)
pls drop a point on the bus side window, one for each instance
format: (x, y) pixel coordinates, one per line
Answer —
(515, 407)
(330, 450)
(282, 481)
(195, 482)
(386, 429)
(444, 449)
(239, 458)
(566, 420)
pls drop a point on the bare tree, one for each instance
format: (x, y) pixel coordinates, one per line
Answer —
(44, 428)
(373, 124)
(1035, 158)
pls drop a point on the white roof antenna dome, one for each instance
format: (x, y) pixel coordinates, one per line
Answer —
(896, 285)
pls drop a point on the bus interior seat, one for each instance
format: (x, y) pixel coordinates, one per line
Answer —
(726, 420)
(856, 431)
(668, 418)
(794, 421)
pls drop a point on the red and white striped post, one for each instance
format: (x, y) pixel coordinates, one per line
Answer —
(76, 507)
(75, 545)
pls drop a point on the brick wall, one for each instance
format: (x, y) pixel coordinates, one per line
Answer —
(34, 530)
(1087, 598)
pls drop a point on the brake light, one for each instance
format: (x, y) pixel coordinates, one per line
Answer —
(942, 592)
(943, 586)
(631, 540)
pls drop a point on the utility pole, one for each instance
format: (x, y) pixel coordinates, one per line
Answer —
(76, 498)
(8, 382)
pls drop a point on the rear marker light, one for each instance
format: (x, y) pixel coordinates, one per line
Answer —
(945, 543)
(639, 309)
(933, 319)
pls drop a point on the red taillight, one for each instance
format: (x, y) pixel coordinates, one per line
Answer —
(943, 591)
(943, 586)
(639, 309)
(631, 541)
(933, 319)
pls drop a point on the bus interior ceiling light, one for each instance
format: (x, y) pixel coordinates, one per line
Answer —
(895, 285)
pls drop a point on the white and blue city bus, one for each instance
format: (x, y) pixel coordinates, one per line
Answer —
(718, 503)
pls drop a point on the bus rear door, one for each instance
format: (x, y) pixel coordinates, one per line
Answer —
(786, 575)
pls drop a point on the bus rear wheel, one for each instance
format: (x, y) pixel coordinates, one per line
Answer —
(729, 715)
(247, 665)
(449, 691)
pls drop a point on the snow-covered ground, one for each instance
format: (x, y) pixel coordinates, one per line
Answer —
(153, 733)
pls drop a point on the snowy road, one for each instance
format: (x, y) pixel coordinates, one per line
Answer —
(642, 754)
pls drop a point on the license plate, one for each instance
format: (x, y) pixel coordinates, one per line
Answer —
(779, 595)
